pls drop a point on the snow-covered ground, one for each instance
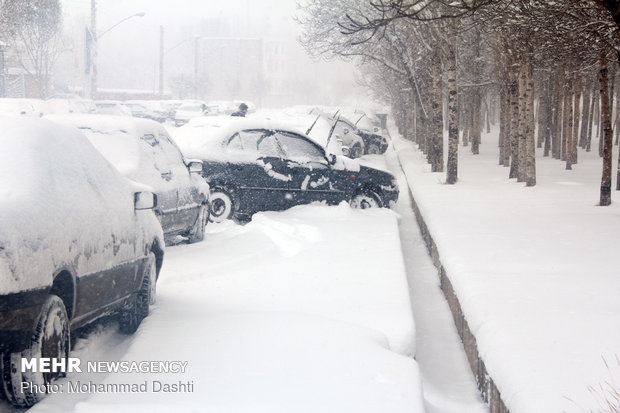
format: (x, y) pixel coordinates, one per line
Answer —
(304, 310)
(534, 271)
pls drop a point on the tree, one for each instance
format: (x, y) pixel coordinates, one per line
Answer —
(32, 29)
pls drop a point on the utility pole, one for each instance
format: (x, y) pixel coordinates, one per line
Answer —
(196, 38)
(161, 61)
(93, 49)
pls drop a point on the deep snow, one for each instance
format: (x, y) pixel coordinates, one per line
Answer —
(534, 271)
(302, 310)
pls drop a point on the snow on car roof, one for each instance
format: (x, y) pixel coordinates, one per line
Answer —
(116, 137)
(55, 183)
(204, 137)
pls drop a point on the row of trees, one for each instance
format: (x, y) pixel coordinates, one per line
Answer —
(30, 30)
(534, 65)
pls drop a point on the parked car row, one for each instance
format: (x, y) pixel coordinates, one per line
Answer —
(92, 201)
(77, 241)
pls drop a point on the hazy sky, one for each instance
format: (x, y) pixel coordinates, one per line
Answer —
(128, 55)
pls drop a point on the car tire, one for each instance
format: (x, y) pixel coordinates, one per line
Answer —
(365, 199)
(51, 339)
(197, 233)
(138, 307)
(356, 151)
(222, 205)
(373, 149)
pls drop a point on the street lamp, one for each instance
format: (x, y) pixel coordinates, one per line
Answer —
(141, 14)
(196, 38)
(93, 47)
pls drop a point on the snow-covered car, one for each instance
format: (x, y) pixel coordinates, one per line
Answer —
(78, 241)
(25, 107)
(374, 142)
(256, 165)
(112, 107)
(142, 150)
(350, 137)
(189, 110)
(61, 105)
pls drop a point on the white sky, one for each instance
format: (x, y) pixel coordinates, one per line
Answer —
(128, 55)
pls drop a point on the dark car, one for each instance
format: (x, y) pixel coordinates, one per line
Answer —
(142, 150)
(78, 241)
(255, 166)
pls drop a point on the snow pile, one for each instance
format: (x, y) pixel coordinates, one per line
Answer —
(533, 270)
(305, 310)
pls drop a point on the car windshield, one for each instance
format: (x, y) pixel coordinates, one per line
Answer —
(258, 142)
(191, 108)
(298, 148)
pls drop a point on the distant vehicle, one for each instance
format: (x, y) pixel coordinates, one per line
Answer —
(256, 165)
(60, 105)
(142, 150)
(112, 107)
(23, 107)
(78, 241)
(138, 109)
(170, 107)
(348, 133)
(369, 130)
(189, 110)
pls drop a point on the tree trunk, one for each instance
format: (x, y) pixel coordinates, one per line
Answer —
(476, 124)
(585, 118)
(595, 98)
(576, 116)
(453, 114)
(521, 173)
(435, 151)
(530, 124)
(513, 77)
(607, 134)
(556, 145)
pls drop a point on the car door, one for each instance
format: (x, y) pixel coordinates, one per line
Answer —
(188, 197)
(259, 170)
(311, 174)
(157, 173)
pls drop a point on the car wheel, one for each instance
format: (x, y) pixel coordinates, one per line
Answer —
(365, 200)
(373, 149)
(221, 205)
(197, 233)
(51, 339)
(356, 151)
(137, 309)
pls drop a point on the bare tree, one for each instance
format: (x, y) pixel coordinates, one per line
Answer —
(32, 28)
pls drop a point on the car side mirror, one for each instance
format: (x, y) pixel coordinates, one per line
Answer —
(346, 151)
(144, 200)
(345, 131)
(195, 166)
(331, 159)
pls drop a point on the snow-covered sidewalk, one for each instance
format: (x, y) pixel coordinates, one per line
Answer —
(305, 310)
(534, 271)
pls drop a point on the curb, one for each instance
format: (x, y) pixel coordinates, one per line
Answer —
(488, 389)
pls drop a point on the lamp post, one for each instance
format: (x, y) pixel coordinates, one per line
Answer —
(196, 38)
(92, 47)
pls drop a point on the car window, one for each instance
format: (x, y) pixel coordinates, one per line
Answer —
(158, 157)
(299, 148)
(259, 143)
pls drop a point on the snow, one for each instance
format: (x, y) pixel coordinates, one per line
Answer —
(54, 195)
(303, 310)
(533, 271)
(139, 149)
